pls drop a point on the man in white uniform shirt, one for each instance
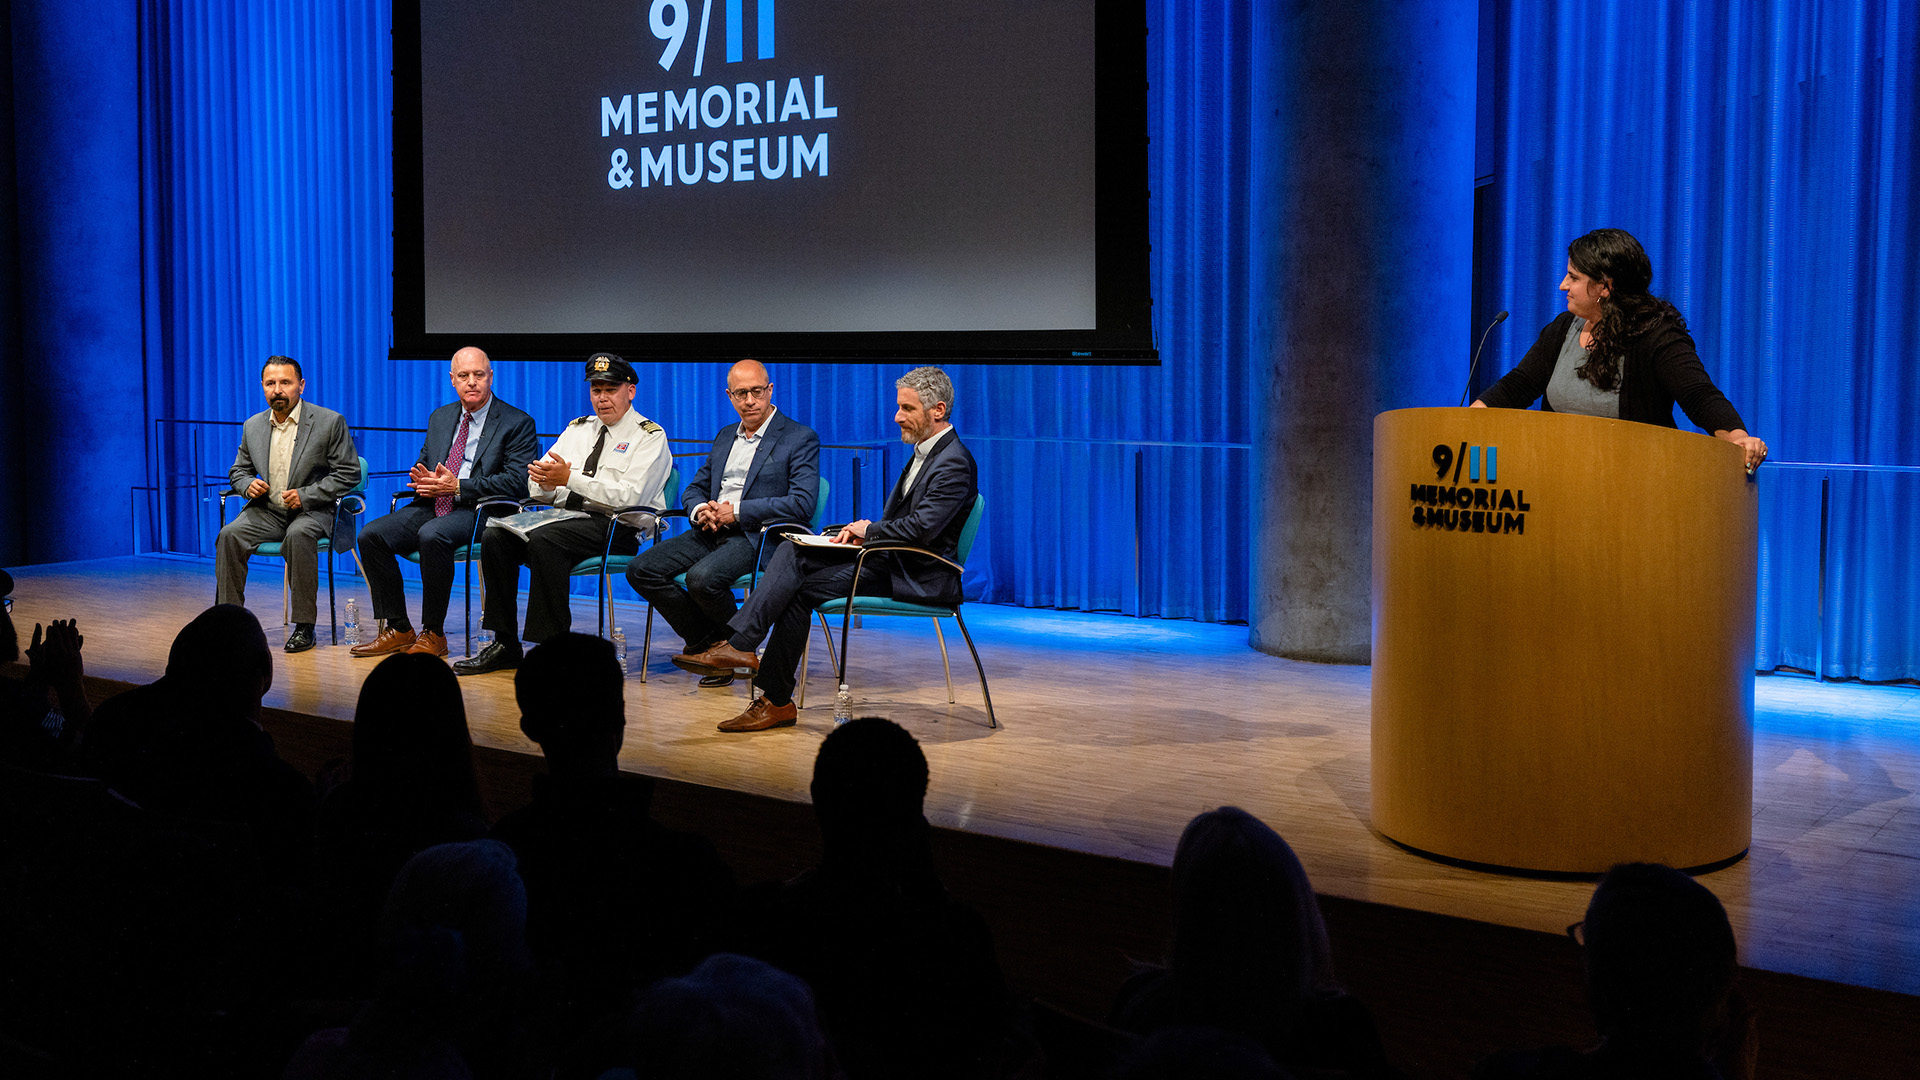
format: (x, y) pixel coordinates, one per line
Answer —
(600, 465)
(763, 470)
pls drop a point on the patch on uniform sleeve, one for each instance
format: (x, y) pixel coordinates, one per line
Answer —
(650, 427)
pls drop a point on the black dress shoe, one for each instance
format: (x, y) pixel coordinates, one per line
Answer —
(301, 639)
(495, 657)
(713, 681)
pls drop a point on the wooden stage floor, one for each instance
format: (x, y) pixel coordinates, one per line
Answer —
(1117, 730)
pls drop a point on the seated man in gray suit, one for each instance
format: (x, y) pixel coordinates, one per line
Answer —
(764, 469)
(476, 448)
(295, 460)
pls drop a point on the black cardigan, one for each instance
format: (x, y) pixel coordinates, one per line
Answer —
(1661, 368)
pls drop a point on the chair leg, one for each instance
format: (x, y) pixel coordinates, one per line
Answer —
(984, 696)
(333, 618)
(944, 665)
(646, 642)
(466, 596)
(806, 649)
(600, 600)
(286, 595)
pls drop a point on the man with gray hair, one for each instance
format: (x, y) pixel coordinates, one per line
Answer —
(928, 508)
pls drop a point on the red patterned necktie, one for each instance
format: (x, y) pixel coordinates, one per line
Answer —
(455, 458)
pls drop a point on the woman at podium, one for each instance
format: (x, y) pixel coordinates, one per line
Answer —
(1619, 351)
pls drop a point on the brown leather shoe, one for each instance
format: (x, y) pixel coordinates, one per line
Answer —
(762, 715)
(430, 643)
(721, 659)
(389, 641)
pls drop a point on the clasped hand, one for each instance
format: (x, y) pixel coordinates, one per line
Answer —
(550, 472)
(289, 498)
(853, 532)
(433, 483)
(714, 516)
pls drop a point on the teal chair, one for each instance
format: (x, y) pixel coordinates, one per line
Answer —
(856, 605)
(272, 549)
(745, 582)
(608, 563)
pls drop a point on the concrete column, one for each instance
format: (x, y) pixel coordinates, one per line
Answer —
(81, 415)
(1363, 127)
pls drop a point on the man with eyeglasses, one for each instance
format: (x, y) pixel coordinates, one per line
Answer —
(477, 447)
(762, 470)
(928, 508)
(600, 465)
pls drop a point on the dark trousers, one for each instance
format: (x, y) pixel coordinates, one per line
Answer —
(795, 582)
(711, 561)
(549, 554)
(409, 529)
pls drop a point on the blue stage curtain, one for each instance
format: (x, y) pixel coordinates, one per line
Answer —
(1766, 155)
(267, 132)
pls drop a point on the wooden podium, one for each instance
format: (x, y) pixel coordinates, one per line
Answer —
(1563, 625)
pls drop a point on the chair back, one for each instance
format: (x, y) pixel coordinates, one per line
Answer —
(671, 493)
(820, 505)
(360, 488)
(971, 529)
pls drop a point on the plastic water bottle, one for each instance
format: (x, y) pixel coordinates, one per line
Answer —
(842, 706)
(620, 648)
(482, 638)
(353, 621)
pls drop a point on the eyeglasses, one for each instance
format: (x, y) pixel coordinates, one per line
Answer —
(750, 393)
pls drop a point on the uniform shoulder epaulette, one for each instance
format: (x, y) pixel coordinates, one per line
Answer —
(649, 426)
(579, 420)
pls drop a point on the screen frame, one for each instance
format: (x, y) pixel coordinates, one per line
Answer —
(1123, 332)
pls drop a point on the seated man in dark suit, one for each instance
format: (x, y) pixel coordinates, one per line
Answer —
(295, 461)
(476, 448)
(928, 508)
(764, 469)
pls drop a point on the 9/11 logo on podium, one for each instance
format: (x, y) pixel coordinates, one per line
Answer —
(1479, 505)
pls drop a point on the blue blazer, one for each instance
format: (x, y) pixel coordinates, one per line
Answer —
(506, 445)
(931, 515)
(783, 483)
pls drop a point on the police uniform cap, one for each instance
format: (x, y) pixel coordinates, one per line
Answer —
(609, 367)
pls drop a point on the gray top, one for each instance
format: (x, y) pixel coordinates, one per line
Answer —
(1568, 392)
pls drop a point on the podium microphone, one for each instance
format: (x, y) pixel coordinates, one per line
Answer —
(1497, 320)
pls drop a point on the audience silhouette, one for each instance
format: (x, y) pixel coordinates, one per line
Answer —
(164, 880)
(190, 745)
(733, 1017)
(42, 716)
(615, 900)
(1250, 955)
(1660, 959)
(905, 975)
(457, 976)
(409, 786)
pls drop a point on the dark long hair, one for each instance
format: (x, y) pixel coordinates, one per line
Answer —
(1249, 944)
(1614, 258)
(410, 736)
